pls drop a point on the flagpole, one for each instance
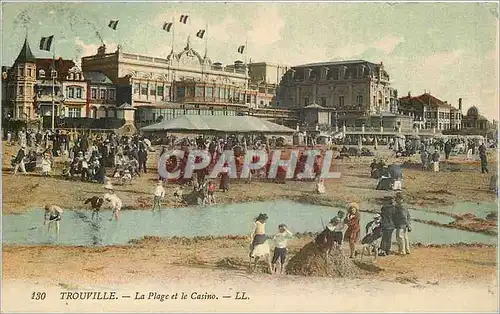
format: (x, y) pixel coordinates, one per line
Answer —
(206, 39)
(246, 65)
(246, 50)
(173, 43)
(53, 85)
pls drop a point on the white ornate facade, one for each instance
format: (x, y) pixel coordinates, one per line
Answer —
(151, 79)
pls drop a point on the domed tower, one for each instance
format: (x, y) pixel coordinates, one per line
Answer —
(22, 80)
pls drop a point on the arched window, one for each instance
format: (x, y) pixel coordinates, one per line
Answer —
(71, 76)
(93, 113)
(41, 74)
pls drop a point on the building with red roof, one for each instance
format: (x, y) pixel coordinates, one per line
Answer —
(430, 112)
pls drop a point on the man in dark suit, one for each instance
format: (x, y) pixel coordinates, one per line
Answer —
(387, 224)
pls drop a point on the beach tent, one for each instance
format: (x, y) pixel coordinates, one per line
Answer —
(224, 124)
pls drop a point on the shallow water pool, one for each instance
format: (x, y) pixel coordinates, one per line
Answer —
(77, 227)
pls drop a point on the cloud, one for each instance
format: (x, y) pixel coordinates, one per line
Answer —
(349, 51)
(441, 60)
(91, 49)
(388, 43)
(266, 27)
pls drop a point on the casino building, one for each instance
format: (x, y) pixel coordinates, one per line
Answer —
(182, 83)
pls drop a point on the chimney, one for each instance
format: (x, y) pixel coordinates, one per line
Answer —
(460, 104)
(101, 50)
(409, 94)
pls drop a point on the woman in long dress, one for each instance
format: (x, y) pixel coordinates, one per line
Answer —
(259, 247)
(224, 178)
(352, 233)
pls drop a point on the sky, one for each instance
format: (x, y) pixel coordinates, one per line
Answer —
(447, 49)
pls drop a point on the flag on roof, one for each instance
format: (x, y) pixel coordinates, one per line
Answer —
(200, 33)
(113, 24)
(184, 19)
(241, 49)
(46, 43)
(167, 26)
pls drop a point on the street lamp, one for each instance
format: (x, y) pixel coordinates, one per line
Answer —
(381, 122)
(53, 74)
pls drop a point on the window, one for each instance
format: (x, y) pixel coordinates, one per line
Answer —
(306, 102)
(79, 93)
(152, 91)
(249, 99)
(323, 101)
(29, 73)
(20, 72)
(74, 112)
(41, 73)
(159, 91)
(360, 99)
(94, 93)
(21, 90)
(111, 94)
(71, 76)
(54, 73)
(180, 92)
(341, 101)
(137, 87)
(428, 114)
(102, 94)
(71, 92)
(199, 91)
(209, 92)
(144, 89)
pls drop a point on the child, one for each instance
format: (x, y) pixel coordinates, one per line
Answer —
(211, 190)
(46, 165)
(116, 204)
(320, 186)
(339, 227)
(52, 215)
(373, 237)
(281, 239)
(158, 194)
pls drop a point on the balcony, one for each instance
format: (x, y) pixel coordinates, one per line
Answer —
(47, 98)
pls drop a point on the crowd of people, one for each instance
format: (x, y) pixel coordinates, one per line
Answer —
(86, 156)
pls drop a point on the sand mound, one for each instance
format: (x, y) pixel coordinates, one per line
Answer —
(311, 261)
